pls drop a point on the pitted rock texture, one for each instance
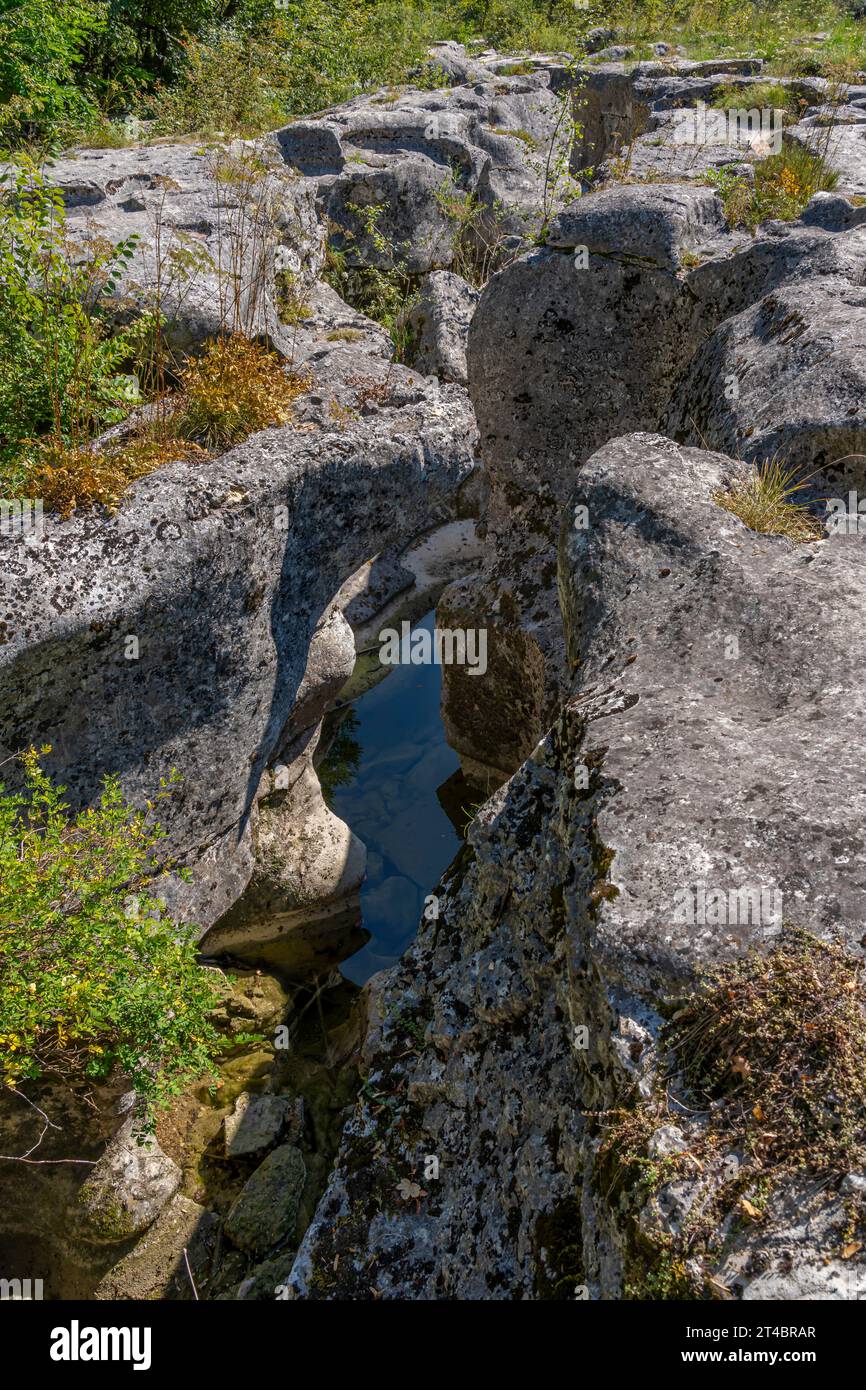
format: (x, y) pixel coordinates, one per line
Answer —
(702, 768)
(214, 229)
(262, 537)
(400, 157)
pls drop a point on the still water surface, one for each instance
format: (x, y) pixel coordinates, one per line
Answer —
(393, 753)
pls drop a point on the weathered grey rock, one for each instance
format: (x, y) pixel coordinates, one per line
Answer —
(439, 321)
(308, 864)
(795, 1253)
(263, 537)
(667, 1140)
(833, 212)
(401, 156)
(326, 320)
(566, 348)
(453, 60)
(643, 125)
(266, 1209)
(255, 1124)
(844, 148)
(785, 377)
(614, 53)
(674, 323)
(562, 915)
(126, 1190)
(655, 224)
(267, 1280)
(172, 1261)
(215, 228)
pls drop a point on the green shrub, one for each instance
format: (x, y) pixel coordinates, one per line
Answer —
(782, 187)
(94, 977)
(62, 368)
(758, 96)
(41, 46)
(384, 292)
(231, 83)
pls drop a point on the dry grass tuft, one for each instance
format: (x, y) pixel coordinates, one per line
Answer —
(76, 478)
(776, 1044)
(762, 501)
(234, 389)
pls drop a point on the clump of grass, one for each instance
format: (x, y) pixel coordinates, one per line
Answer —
(758, 96)
(783, 185)
(767, 1056)
(761, 498)
(769, 1051)
(71, 478)
(344, 335)
(525, 136)
(834, 63)
(776, 1046)
(234, 389)
(522, 69)
(292, 305)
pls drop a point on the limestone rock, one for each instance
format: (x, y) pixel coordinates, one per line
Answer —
(656, 224)
(785, 377)
(255, 1124)
(439, 322)
(400, 156)
(126, 1189)
(266, 1209)
(156, 1268)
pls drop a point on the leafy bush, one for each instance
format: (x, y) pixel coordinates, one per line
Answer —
(93, 975)
(246, 77)
(231, 83)
(61, 366)
(240, 66)
(41, 45)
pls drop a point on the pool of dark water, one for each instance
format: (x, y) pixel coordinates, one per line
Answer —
(388, 774)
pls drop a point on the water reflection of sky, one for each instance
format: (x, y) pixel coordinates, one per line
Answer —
(391, 805)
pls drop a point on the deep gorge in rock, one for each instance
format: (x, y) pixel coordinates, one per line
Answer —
(580, 396)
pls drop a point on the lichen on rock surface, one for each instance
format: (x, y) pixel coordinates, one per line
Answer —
(554, 1094)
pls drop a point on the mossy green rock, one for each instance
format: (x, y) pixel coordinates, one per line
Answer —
(267, 1207)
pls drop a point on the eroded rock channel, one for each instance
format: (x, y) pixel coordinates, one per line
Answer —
(672, 705)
